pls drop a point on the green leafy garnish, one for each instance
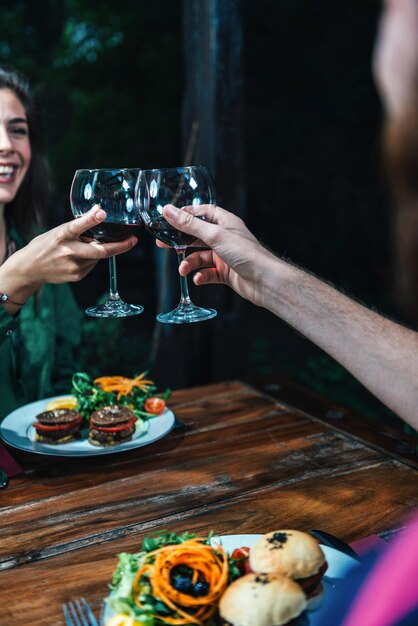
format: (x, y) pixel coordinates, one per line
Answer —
(152, 610)
(91, 396)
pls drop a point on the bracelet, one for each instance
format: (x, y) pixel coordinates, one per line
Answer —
(5, 298)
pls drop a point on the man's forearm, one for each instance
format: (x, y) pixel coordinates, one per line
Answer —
(381, 354)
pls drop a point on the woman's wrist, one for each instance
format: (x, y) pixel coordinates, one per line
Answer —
(16, 285)
(4, 297)
(11, 306)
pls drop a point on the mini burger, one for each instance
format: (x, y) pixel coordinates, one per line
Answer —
(111, 425)
(57, 426)
(261, 600)
(294, 554)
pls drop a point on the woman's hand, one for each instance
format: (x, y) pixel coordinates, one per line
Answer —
(57, 256)
(235, 257)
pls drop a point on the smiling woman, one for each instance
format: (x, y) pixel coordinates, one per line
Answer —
(16, 150)
(39, 319)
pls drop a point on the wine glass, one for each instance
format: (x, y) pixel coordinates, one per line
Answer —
(114, 191)
(183, 187)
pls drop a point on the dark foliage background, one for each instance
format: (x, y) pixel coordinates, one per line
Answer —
(111, 81)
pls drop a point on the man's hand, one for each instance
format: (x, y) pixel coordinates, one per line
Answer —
(234, 257)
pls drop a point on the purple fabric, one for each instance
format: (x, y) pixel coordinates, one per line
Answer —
(8, 463)
(389, 593)
(361, 546)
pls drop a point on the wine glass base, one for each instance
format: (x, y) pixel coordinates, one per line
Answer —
(187, 314)
(114, 308)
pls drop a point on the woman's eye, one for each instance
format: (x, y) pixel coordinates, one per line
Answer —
(19, 130)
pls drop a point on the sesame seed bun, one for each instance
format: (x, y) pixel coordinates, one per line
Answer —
(111, 415)
(289, 552)
(261, 600)
(57, 416)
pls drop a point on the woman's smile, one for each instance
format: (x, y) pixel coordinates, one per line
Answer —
(8, 173)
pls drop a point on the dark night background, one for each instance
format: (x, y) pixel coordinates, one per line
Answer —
(112, 81)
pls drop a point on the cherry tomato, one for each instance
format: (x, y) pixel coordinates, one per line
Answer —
(243, 564)
(154, 405)
(240, 553)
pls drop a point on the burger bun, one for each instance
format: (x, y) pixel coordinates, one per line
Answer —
(262, 600)
(291, 553)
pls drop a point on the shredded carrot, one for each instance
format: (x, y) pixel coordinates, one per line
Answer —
(206, 564)
(122, 385)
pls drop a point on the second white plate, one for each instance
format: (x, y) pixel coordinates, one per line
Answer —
(339, 564)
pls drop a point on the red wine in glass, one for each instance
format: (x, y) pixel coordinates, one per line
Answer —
(114, 191)
(182, 187)
(162, 230)
(109, 232)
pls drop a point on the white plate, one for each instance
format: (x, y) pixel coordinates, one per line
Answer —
(339, 564)
(16, 429)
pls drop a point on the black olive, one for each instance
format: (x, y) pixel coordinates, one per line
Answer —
(201, 589)
(183, 584)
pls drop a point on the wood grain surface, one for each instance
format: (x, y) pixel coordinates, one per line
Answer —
(241, 461)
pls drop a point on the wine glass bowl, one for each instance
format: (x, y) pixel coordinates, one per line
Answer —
(112, 190)
(186, 188)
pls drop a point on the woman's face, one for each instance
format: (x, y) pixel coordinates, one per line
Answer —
(15, 150)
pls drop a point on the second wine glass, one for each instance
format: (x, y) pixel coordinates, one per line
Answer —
(112, 190)
(183, 187)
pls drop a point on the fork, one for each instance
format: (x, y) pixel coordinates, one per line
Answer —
(79, 614)
(4, 479)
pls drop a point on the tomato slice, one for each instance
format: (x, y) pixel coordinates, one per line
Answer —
(57, 427)
(114, 429)
(240, 553)
(154, 405)
(243, 562)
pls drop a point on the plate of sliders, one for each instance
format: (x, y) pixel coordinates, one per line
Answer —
(280, 578)
(35, 427)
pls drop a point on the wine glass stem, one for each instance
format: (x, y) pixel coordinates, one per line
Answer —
(113, 281)
(184, 289)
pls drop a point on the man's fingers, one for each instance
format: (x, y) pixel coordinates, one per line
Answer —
(208, 276)
(207, 212)
(188, 223)
(196, 261)
(161, 244)
(202, 264)
(213, 214)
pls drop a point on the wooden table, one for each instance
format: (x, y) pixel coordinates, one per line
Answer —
(251, 458)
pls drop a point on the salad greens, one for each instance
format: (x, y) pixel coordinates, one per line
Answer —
(121, 599)
(90, 396)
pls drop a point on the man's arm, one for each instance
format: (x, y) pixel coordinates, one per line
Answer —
(381, 354)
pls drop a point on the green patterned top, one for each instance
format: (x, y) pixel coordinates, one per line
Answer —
(38, 346)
